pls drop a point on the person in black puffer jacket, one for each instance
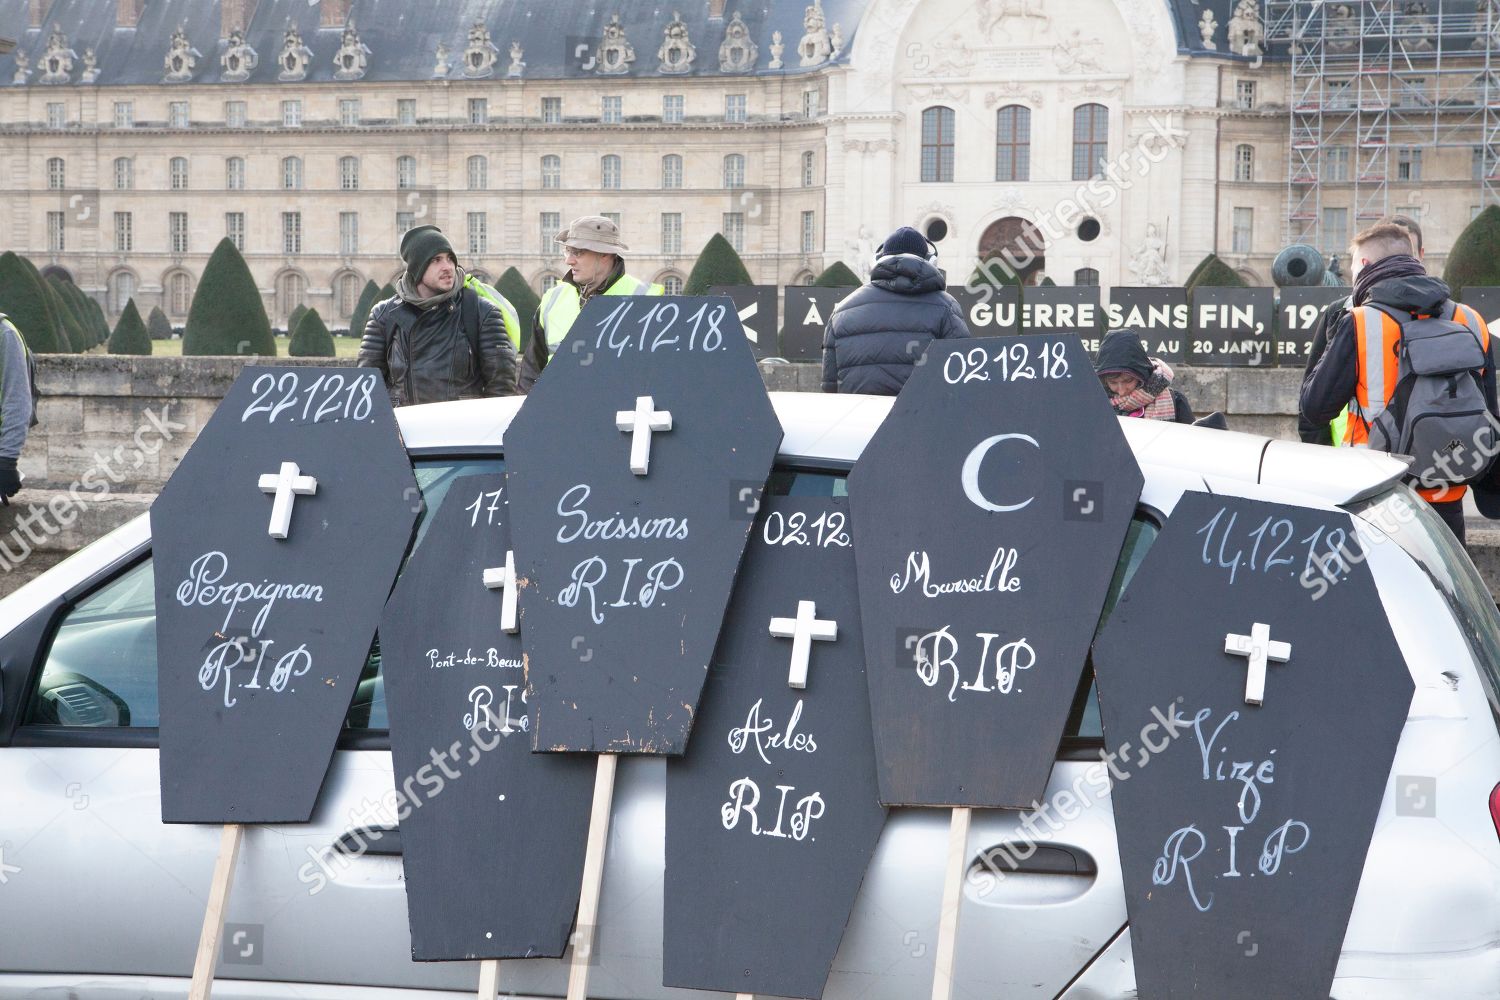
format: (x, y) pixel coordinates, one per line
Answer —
(876, 335)
(420, 340)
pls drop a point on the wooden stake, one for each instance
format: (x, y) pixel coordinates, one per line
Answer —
(953, 887)
(489, 979)
(593, 878)
(212, 935)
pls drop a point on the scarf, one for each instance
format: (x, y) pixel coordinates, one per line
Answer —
(409, 294)
(1153, 400)
(1395, 266)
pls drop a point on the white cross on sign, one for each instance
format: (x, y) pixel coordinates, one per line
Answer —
(640, 422)
(286, 484)
(802, 630)
(1259, 648)
(505, 576)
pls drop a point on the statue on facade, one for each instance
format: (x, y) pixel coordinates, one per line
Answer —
(737, 52)
(181, 58)
(1420, 28)
(23, 69)
(1341, 33)
(836, 39)
(863, 246)
(995, 13)
(353, 56)
(1207, 25)
(90, 67)
(615, 53)
(441, 68)
(1487, 28)
(517, 66)
(777, 48)
(239, 59)
(676, 54)
(57, 61)
(480, 54)
(295, 57)
(816, 47)
(1149, 261)
(1077, 54)
(1247, 34)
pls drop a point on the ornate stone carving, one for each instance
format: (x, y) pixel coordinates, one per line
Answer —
(480, 54)
(23, 69)
(1420, 28)
(615, 53)
(517, 67)
(238, 60)
(995, 14)
(737, 52)
(181, 58)
(836, 40)
(1341, 32)
(1076, 54)
(816, 46)
(353, 56)
(1148, 261)
(863, 249)
(1010, 92)
(1093, 90)
(677, 53)
(777, 48)
(955, 57)
(1247, 34)
(1488, 25)
(1144, 18)
(57, 60)
(1011, 200)
(870, 145)
(935, 92)
(441, 68)
(90, 67)
(295, 57)
(1207, 25)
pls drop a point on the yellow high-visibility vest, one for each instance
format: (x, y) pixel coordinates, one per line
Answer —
(562, 304)
(507, 311)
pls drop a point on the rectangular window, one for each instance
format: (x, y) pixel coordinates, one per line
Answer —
(124, 173)
(1409, 164)
(1411, 92)
(348, 173)
(406, 111)
(55, 232)
(405, 221)
(348, 233)
(124, 114)
(1013, 143)
(348, 111)
(479, 233)
(1244, 162)
(612, 217)
(235, 114)
(937, 144)
(57, 115)
(1338, 95)
(234, 228)
(177, 231)
(57, 174)
(611, 110)
(291, 114)
(551, 225)
(1244, 95)
(479, 111)
(811, 104)
(809, 169)
(234, 173)
(552, 111)
(734, 107)
(1334, 237)
(177, 114)
(809, 231)
(1336, 163)
(1090, 140)
(734, 230)
(1241, 233)
(291, 233)
(671, 233)
(671, 108)
(124, 232)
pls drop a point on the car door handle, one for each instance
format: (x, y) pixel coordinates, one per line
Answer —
(377, 841)
(1024, 873)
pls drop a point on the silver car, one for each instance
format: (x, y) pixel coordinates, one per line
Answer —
(99, 899)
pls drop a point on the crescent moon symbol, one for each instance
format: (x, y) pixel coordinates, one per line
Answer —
(970, 475)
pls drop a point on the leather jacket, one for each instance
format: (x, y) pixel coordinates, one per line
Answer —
(426, 356)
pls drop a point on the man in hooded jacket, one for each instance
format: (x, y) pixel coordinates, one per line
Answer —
(876, 334)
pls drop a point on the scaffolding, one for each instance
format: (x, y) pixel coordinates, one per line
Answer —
(1372, 85)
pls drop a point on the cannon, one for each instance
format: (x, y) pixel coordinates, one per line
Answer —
(1303, 265)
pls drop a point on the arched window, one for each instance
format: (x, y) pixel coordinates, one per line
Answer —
(1085, 276)
(291, 173)
(57, 173)
(479, 173)
(671, 171)
(124, 173)
(291, 292)
(234, 173)
(121, 291)
(804, 278)
(609, 172)
(734, 171)
(348, 173)
(673, 284)
(1244, 162)
(937, 144)
(548, 281)
(347, 290)
(552, 171)
(406, 172)
(809, 168)
(177, 172)
(1090, 140)
(179, 286)
(1013, 143)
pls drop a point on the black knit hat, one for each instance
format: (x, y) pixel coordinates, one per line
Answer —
(905, 240)
(419, 246)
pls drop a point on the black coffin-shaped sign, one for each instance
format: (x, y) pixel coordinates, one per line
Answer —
(1058, 309)
(756, 306)
(634, 470)
(1486, 299)
(805, 319)
(1158, 313)
(1297, 317)
(990, 311)
(492, 835)
(773, 815)
(989, 510)
(1234, 327)
(275, 544)
(1260, 740)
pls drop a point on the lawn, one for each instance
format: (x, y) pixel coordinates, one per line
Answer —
(343, 347)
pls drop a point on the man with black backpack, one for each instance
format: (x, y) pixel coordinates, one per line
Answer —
(438, 338)
(1415, 369)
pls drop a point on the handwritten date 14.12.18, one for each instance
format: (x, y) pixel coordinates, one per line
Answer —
(1276, 544)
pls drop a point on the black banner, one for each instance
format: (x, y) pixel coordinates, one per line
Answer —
(805, 319)
(1297, 316)
(1159, 314)
(1234, 327)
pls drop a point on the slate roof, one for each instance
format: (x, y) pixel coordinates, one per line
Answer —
(403, 35)
(1458, 16)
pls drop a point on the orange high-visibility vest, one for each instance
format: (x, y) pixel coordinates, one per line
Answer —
(1377, 338)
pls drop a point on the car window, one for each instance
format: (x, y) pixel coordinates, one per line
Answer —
(100, 669)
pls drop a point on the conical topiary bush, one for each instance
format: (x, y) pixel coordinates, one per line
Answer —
(994, 272)
(1475, 259)
(130, 336)
(311, 339)
(368, 296)
(227, 315)
(28, 303)
(80, 338)
(298, 312)
(519, 294)
(1214, 273)
(158, 325)
(837, 275)
(718, 264)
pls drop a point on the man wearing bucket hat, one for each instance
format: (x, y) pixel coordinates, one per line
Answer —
(439, 338)
(596, 266)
